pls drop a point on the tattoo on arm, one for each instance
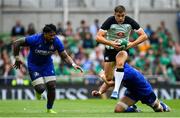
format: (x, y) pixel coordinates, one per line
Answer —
(17, 44)
(66, 57)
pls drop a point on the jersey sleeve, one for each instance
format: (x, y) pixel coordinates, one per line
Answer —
(133, 23)
(30, 40)
(106, 25)
(59, 45)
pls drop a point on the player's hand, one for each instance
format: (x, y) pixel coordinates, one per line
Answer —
(115, 44)
(17, 63)
(130, 45)
(78, 68)
(95, 93)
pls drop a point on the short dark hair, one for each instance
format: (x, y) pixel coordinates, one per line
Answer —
(119, 9)
(49, 28)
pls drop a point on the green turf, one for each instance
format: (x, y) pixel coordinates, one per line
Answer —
(79, 108)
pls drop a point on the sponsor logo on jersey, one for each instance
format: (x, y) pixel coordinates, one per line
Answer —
(43, 52)
(36, 74)
(121, 34)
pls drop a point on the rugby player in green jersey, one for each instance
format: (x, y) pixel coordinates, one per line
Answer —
(115, 29)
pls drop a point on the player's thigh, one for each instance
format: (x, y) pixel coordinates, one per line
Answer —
(49, 74)
(36, 77)
(109, 70)
(124, 103)
(37, 81)
(121, 57)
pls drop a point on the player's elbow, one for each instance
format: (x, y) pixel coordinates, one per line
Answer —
(19, 42)
(15, 44)
(145, 36)
(98, 38)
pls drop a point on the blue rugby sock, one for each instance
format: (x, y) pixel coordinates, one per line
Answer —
(130, 109)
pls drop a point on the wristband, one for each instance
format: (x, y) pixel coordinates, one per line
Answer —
(100, 92)
(73, 64)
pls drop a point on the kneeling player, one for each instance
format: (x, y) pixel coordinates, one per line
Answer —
(138, 88)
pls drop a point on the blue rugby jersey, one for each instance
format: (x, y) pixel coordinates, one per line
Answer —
(41, 51)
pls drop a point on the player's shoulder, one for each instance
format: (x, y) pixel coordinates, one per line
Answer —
(57, 40)
(33, 38)
(58, 43)
(38, 35)
(132, 22)
(111, 19)
(128, 19)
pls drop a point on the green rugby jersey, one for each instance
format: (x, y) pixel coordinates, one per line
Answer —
(117, 31)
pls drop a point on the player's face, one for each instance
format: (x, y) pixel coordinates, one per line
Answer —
(120, 17)
(49, 37)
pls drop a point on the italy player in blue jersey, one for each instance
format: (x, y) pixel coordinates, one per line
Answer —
(138, 89)
(40, 64)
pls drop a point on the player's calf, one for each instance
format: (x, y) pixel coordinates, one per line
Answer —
(51, 86)
(39, 89)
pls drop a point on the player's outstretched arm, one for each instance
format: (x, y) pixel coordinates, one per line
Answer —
(142, 37)
(69, 60)
(103, 88)
(103, 78)
(16, 48)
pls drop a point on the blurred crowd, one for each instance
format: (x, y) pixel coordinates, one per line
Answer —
(158, 58)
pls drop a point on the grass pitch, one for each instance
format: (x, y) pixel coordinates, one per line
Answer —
(94, 108)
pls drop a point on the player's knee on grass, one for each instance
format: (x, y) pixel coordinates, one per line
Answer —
(40, 88)
(119, 64)
(51, 86)
(120, 107)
